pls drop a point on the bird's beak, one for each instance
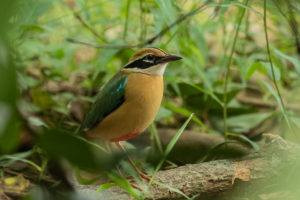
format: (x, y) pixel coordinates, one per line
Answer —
(168, 58)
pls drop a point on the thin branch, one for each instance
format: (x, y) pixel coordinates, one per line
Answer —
(178, 21)
(90, 28)
(99, 46)
(84, 23)
(150, 40)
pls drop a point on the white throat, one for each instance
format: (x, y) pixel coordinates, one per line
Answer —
(155, 70)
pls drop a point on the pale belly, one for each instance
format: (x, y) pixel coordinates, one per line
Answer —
(142, 100)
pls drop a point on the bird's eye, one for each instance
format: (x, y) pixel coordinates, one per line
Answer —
(150, 57)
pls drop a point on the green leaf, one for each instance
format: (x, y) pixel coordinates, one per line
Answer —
(33, 28)
(123, 183)
(244, 123)
(76, 150)
(274, 93)
(37, 122)
(59, 53)
(194, 89)
(162, 113)
(42, 99)
(86, 181)
(106, 186)
(197, 37)
(199, 55)
(269, 70)
(5, 161)
(105, 56)
(255, 66)
(15, 158)
(167, 10)
(253, 144)
(31, 10)
(296, 121)
(5, 114)
(184, 112)
(295, 61)
(9, 93)
(154, 136)
(198, 71)
(264, 67)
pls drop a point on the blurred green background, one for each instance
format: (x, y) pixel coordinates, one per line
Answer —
(237, 83)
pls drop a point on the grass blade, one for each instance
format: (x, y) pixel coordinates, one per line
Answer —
(176, 136)
(105, 186)
(169, 149)
(253, 144)
(124, 184)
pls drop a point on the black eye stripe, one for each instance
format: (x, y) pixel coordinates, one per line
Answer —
(139, 64)
(142, 62)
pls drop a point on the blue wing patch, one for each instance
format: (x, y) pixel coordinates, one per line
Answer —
(107, 100)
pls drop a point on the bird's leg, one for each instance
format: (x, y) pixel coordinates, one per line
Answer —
(107, 145)
(141, 174)
(132, 184)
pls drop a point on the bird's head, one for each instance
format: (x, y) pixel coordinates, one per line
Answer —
(151, 61)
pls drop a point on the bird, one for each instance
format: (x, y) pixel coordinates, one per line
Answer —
(130, 100)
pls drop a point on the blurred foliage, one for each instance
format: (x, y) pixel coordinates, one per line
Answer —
(48, 83)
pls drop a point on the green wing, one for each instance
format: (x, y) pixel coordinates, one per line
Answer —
(107, 100)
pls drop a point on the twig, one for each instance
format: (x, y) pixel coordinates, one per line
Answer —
(85, 24)
(90, 28)
(150, 40)
(178, 21)
(100, 46)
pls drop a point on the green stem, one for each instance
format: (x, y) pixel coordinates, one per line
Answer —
(43, 167)
(273, 73)
(126, 20)
(142, 22)
(227, 73)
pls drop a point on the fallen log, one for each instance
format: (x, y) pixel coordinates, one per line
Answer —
(213, 179)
